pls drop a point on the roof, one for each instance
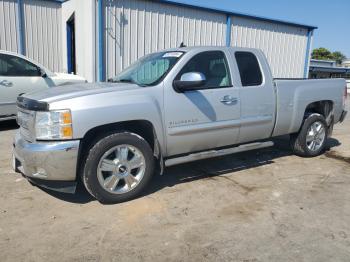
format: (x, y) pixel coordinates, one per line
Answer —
(323, 61)
(329, 69)
(229, 12)
(206, 48)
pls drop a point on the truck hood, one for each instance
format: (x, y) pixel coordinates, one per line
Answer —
(59, 93)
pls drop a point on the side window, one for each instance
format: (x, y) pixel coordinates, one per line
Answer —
(213, 65)
(249, 69)
(4, 65)
(16, 66)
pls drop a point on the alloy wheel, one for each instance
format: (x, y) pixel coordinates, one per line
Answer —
(315, 136)
(121, 169)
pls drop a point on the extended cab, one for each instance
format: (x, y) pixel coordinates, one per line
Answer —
(168, 108)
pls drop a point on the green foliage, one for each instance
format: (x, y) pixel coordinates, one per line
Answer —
(324, 54)
(338, 57)
(321, 54)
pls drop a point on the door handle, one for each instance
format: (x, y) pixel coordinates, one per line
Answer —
(6, 83)
(229, 100)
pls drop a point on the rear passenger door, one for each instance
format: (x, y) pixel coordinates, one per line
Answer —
(257, 95)
(205, 118)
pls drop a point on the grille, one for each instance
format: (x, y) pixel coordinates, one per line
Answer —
(25, 120)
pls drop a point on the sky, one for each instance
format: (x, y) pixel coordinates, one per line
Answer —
(332, 17)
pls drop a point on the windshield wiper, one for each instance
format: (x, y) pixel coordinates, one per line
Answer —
(127, 80)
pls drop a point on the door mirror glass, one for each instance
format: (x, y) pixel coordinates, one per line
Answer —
(190, 81)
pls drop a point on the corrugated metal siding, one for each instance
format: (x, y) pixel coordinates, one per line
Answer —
(136, 27)
(42, 27)
(8, 26)
(285, 46)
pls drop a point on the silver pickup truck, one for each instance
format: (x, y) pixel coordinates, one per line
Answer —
(168, 108)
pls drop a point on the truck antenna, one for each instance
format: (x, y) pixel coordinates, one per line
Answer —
(182, 45)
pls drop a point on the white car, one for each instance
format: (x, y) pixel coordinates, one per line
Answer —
(19, 75)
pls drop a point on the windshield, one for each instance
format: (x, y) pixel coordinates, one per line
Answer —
(149, 70)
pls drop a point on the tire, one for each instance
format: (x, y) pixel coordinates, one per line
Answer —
(301, 141)
(110, 162)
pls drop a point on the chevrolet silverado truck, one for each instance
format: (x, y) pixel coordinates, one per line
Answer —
(168, 108)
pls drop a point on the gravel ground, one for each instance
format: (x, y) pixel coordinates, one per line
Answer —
(266, 205)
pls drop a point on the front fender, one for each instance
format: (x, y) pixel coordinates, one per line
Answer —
(96, 110)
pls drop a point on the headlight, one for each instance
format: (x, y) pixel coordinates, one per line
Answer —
(53, 125)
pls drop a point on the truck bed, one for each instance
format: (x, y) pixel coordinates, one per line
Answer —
(294, 95)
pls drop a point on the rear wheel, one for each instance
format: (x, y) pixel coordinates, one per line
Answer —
(118, 167)
(312, 137)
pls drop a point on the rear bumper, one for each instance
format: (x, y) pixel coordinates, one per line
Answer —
(342, 116)
(46, 161)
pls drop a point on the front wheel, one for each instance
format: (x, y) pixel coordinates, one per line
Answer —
(118, 167)
(311, 140)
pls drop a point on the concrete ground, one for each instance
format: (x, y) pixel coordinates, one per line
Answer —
(266, 205)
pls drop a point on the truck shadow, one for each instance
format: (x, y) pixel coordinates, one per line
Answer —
(81, 196)
(215, 167)
(203, 169)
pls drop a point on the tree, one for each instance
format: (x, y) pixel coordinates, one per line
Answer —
(324, 54)
(338, 57)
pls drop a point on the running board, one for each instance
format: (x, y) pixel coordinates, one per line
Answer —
(216, 153)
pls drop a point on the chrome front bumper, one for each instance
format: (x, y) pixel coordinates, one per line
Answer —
(53, 161)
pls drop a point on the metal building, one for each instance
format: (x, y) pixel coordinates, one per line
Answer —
(328, 69)
(98, 38)
(33, 28)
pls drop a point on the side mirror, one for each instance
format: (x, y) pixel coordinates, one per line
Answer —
(189, 81)
(42, 72)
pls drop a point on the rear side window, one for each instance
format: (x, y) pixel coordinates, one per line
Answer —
(249, 69)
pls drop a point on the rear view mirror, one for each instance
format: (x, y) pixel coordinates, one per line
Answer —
(189, 81)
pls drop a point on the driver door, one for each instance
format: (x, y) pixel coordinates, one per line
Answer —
(17, 76)
(205, 118)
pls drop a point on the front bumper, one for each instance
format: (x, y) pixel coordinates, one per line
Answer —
(46, 161)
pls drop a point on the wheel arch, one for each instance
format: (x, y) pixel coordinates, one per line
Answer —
(142, 128)
(323, 107)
